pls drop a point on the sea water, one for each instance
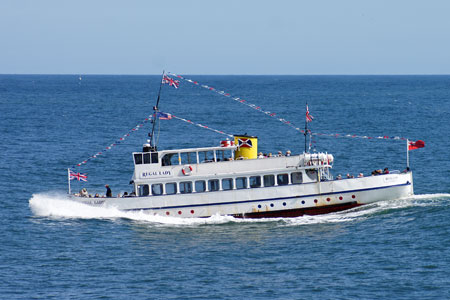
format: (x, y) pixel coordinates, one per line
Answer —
(53, 248)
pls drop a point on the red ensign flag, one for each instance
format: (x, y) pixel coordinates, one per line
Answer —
(416, 145)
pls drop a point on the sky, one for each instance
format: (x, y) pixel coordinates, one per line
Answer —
(225, 37)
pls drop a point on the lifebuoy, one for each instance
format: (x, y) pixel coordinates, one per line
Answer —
(187, 170)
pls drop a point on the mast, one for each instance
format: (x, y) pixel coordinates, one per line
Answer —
(306, 124)
(68, 179)
(155, 117)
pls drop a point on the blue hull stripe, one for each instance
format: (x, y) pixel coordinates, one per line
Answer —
(271, 199)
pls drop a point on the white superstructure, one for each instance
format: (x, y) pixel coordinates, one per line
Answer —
(201, 182)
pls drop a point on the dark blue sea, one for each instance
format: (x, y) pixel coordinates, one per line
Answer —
(54, 249)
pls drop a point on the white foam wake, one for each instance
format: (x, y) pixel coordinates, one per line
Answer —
(58, 205)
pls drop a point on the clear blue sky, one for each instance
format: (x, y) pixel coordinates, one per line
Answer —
(225, 37)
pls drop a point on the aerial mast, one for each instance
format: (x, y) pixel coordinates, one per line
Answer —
(155, 116)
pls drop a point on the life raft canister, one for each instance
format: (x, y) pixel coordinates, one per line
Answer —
(187, 170)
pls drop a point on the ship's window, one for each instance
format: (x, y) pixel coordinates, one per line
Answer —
(241, 183)
(188, 158)
(206, 156)
(170, 159)
(143, 190)
(146, 158)
(200, 186)
(296, 177)
(185, 187)
(171, 188)
(154, 157)
(282, 179)
(138, 159)
(227, 184)
(224, 155)
(255, 181)
(269, 180)
(213, 185)
(312, 174)
(157, 189)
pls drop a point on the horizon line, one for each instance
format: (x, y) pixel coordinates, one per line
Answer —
(247, 74)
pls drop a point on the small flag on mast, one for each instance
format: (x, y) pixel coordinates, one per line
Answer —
(416, 145)
(170, 81)
(78, 176)
(309, 117)
(163, 116)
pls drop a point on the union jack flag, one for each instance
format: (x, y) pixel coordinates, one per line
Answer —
(170, 81)
(78, 176)
(309, 117)
(163, 116)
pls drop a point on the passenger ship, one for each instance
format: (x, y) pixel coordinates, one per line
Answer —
(231, 179)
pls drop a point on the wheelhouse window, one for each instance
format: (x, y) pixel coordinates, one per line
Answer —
(227, 184)
(200, 186)
(171, 188)
(213, 185)
(269, 180)
(138, 158)
(157, 189)
(185, 187)
(296, 177)
(255, 181)
(282, 179)
(241, 183)
(154, 156)
(147, 158)
(143, 190)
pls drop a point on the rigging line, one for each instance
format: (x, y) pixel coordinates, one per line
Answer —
(199, 125)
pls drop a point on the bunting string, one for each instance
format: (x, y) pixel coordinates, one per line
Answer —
(116, 143)
(162, 116)
(276, 116)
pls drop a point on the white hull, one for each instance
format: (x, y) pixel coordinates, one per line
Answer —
(276, 201)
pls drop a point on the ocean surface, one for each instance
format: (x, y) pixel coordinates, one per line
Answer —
(54, 249)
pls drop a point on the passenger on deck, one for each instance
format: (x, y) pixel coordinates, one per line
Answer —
(125, 194)
(108, 191)
(350, 176)
(83, 192)
(339, 177)
(386, 171)
(280, 154)
(260, 155)
(270, 155)
(361, 175)
(288, 153)
(97, 195)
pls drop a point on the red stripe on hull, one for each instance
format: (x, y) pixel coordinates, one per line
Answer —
(292, 213)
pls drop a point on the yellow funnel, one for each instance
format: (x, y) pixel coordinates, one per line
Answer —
(247, 146)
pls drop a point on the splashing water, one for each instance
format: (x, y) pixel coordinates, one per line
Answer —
(58, 205)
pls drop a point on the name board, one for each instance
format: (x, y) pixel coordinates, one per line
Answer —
(154, 174)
